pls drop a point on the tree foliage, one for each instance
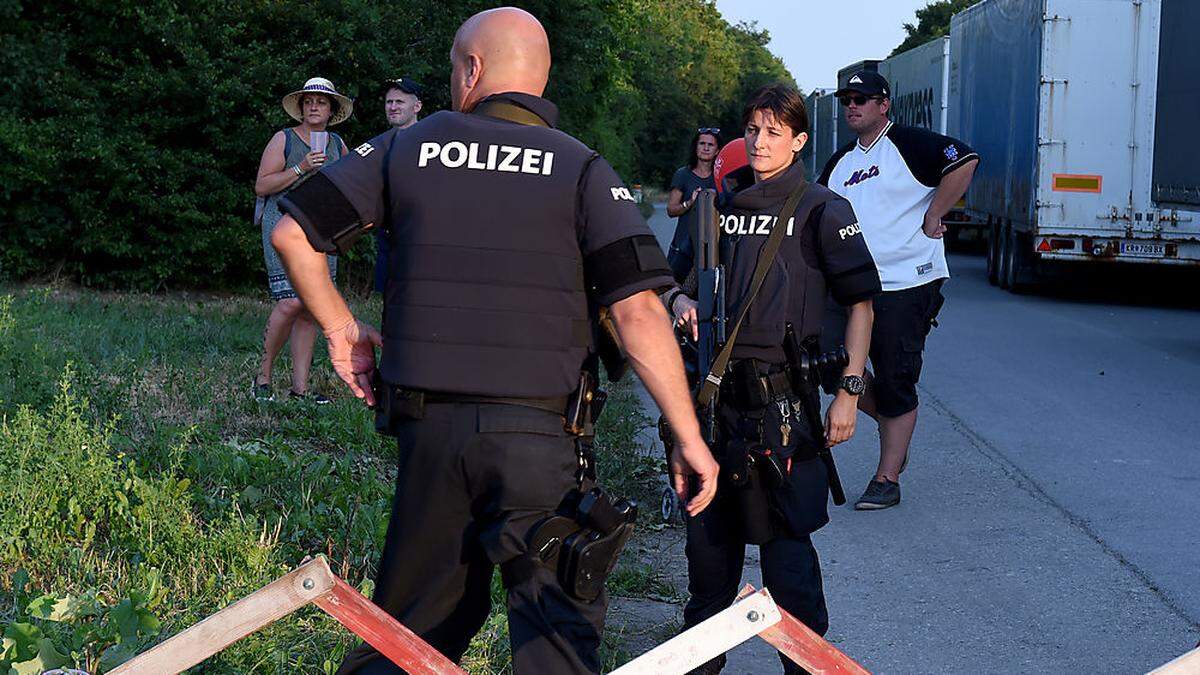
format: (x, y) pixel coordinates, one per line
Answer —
(933, 21)
(132, 131)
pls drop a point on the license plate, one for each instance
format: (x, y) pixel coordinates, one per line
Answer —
(1143, 250)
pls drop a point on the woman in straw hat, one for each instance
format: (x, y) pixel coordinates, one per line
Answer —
(290, 157)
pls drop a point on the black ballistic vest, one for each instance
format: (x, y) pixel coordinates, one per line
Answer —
(794, 289)
(485, 292)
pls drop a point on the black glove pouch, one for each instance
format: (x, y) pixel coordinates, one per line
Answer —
(749, 471)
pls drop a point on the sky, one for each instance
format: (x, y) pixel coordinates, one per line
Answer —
(817, 37)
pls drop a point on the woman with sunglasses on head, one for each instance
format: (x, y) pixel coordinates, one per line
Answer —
(685, 184)
(775, 477)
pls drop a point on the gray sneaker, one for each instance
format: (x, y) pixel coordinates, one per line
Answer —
(879, 495)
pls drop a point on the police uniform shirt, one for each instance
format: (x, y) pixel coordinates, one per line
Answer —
(891, 184)
(502, 234)
(825, 253)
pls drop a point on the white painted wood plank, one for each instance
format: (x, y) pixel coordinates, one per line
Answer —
(720, 633)
(261, 608)
(1188, 664)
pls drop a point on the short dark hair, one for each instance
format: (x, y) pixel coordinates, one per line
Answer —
(693, 158)
(334, 105)
(783, 102)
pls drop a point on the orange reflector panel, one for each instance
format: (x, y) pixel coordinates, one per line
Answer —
(1068, 182)
(1044, 246)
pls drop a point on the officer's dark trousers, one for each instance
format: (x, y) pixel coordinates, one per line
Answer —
(716, 548)
(716, 554)
(472, 480)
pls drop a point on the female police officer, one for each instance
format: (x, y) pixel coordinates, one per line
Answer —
(758, 413)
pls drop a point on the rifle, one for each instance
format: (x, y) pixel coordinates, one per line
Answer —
(710, 299)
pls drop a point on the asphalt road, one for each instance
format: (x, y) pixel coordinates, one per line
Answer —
(1050, 519)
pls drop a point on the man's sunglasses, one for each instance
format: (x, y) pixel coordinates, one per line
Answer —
(708, 130)
(858, 100)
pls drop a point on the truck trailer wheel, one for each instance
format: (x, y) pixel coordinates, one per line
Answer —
(1020, 274)
(993, 252)
(1004, 255)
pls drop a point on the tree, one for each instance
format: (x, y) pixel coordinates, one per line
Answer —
(933, 21)
(132, 129)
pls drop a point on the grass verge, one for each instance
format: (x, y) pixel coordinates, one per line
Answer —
(141, 488)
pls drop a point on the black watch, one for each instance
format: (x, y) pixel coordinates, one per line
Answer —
(853, 385)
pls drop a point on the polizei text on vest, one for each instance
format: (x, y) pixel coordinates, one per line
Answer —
(506, 158)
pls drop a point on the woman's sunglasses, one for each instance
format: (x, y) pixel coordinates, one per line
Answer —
(858, 100)
(708, 130)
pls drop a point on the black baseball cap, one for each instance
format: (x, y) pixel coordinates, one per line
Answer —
(404, 84)
(867, 83)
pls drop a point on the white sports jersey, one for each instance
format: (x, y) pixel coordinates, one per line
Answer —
(890, 184)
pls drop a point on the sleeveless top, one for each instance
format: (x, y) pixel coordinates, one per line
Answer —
(294, 150)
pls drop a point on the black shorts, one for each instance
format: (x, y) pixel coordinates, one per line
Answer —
(902, 320)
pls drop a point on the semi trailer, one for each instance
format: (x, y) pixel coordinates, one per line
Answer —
(1083, 113)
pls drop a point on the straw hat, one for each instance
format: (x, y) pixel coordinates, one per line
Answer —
(318, 85)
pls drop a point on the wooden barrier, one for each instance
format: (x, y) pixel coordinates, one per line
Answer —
(804, 647)
(381, 631)
(311, 582)
(754, 613)
(710, 638)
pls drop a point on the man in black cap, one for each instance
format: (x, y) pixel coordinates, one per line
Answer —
(509, 235)
(901, 181)
(401, 103)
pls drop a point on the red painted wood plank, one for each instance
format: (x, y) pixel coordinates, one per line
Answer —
(383, 632)
(807, 649)
(800, 644)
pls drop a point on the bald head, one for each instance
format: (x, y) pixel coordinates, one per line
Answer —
(503, 49)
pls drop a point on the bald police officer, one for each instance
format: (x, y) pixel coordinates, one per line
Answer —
(505, 232)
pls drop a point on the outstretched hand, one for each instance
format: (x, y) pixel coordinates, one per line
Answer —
(352, 351)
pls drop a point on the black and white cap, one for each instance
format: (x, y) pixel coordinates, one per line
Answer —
(867, 83)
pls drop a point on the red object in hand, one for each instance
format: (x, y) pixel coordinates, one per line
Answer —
(731, 158)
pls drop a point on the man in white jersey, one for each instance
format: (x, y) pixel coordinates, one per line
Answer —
(901, 181)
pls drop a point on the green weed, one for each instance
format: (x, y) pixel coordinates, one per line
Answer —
(142, 489)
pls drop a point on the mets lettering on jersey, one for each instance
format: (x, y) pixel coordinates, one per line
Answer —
(861, 175)
(507, 158)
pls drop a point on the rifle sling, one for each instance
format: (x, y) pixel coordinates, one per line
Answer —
(766, 257)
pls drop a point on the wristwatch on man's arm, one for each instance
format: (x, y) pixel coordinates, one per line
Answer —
(854, 385)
